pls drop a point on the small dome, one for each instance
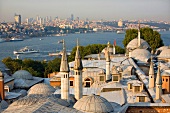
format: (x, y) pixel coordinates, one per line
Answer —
(93, 103)
(41, 89)
(22, 74)
(165, 53)
(159, 50)
(3, 104)
(133, 44)
(141, 54)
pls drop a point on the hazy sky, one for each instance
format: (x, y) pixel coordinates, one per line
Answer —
(92, 9)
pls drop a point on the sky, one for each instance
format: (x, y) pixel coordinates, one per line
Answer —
(91, 9)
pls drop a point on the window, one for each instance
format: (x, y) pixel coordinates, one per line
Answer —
(141, 99)
(71, 83)
(163, 79)
(130, 86)
(166, 80)
(137, 88)
(101, 78)
(115, 78)
(78, 73)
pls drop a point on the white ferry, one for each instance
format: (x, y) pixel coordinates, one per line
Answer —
(25, 50)
(16, 39)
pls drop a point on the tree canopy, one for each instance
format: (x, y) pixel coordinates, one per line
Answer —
(153, 38)
(42, 69)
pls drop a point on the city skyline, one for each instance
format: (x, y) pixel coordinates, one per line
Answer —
(93, 10)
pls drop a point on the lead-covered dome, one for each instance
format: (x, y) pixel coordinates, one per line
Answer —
(165, 53)
(22, 74)
(133, 44)
(94, 104)
(141, 54)
(41, 89)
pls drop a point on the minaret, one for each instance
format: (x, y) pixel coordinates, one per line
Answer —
(107, 65)
(158, 84)
(114, 47)
(78, 67)
(64, 69)
(2, 94)
(139, 41)
(151, 75)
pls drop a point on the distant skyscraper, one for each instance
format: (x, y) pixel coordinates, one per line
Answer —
(17, 19)
(72, 17)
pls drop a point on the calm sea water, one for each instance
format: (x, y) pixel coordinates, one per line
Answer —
(50, 44)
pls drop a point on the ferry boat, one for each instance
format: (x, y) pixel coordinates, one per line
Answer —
(25, 50)
(16, 39)
(120, 32)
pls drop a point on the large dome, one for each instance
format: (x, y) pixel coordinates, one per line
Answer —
(94, 104)
(41, 89)
(133, 44)
(165, 53)
(141, 54)
(22, 74)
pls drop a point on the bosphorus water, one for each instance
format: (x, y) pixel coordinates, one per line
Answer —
(49, 44)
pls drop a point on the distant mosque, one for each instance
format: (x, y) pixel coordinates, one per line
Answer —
(137, 82)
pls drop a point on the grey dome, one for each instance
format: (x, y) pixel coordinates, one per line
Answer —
(22, 74)
(94, 104)
(41, 89)
(3, 104)
(133, 44)
(165, 53)
(141, 54)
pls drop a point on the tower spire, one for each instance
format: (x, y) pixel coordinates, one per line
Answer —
(64, 69)
(107, 65)
(151, 75)
(139, 40)
(64, 63)
(158, 84)
(78, 67)
(2, 94)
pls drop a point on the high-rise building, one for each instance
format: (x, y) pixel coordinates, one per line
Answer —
(17, 19)
(72, 17)
(120, 23)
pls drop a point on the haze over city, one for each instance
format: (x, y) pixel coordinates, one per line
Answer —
(91, 9)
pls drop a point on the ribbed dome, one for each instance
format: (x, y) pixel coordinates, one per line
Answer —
(94, 104)
(133, 44)
(165, 53)
(22, 74)
(141, 54)
(41, 89)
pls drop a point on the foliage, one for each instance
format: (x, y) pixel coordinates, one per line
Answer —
(92, 49)
(52, 66)
(36, 68)
(152, 37)
(42, 69)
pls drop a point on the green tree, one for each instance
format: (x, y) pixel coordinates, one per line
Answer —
(52, 66)
(153, 38)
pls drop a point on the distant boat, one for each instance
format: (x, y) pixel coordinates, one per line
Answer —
(25, 50)
(16, 39)
(41, 39)
(61, 34)
(120, 32)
